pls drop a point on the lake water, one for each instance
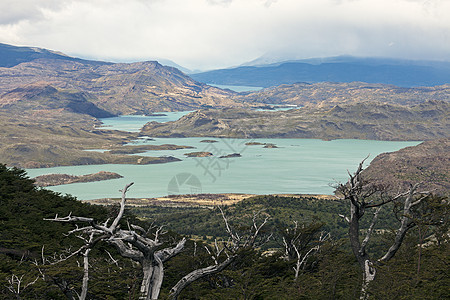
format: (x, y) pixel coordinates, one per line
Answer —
(134, 123)
(296, 166)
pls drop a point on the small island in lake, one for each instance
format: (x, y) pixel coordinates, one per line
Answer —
(59, 179)
(231, 155)
(266, 145)
(254, 144)
(198, 154)
(208, 141)
(269, 145)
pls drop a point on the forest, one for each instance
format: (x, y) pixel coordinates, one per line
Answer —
(372, 242)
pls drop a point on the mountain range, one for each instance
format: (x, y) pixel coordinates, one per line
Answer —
(50, 102)
(404, 73)
(122, 88)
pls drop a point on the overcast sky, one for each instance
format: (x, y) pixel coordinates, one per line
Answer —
(205, 34)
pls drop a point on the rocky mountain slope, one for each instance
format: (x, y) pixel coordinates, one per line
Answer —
(376, 121)
(426, 163)
(327, 94)
(124, 88)
(41, 96)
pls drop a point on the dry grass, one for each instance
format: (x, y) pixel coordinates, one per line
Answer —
(203, 200)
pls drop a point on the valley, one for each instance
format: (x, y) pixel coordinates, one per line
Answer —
(133, 180)
(51, 105)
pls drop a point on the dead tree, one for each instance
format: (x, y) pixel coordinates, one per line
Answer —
(227, 251)
(17, 284)
(301, 241)
(364, 196)
(132, 243)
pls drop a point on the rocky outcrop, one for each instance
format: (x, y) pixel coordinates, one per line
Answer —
(427, 163)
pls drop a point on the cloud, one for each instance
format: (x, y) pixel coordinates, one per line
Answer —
(220, 33)
(14, 11)
(219, 2)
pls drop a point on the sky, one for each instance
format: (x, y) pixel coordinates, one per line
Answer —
(209, 34)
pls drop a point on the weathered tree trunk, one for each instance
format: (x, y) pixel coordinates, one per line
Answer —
(84, 287)
(147, 270)
(368, 272)
(156, 279)
(368, 277)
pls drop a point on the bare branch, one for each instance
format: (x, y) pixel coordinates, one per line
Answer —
(122, 208)
(70, 218)
(197, 274)
(392, 199)
(167, 253)
(345, 218)
(114, 261)
(406, 224)
(370, 230)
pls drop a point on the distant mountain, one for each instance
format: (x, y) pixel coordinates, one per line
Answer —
(122, 88)
(371, 61)
(11, 56)
(169, 63)
(402, 73)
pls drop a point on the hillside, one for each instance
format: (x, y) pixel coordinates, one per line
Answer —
(427, 163)
(346, 69)
(42, 96)
(327, 94)
(123, 88)
(376, 121)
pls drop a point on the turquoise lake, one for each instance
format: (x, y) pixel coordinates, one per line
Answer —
(297, 166)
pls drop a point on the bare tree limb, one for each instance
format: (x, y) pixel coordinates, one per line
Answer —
(197, 274)
(122, 207)
(370, 230)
